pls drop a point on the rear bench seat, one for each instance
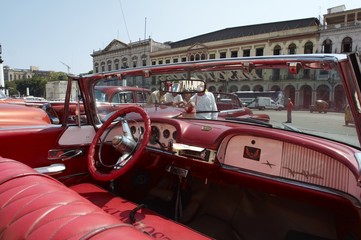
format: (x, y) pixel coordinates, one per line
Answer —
(36, 206)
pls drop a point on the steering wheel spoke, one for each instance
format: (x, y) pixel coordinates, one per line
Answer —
(129, 147)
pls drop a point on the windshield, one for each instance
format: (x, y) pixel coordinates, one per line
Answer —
(301, 93)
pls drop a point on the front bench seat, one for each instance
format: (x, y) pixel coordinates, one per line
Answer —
(34, 206)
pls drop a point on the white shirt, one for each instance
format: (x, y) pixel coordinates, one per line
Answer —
(205, 102)
(169, 98)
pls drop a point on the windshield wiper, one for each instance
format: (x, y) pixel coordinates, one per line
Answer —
(249, 120)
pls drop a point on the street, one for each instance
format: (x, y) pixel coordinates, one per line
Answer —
(330, 125)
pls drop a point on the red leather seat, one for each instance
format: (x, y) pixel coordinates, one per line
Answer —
(35, 206)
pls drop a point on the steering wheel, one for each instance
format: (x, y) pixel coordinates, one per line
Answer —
(131, 148)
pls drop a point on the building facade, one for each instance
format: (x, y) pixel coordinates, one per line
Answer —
(338, 33)
(118, 55)
(12, 74)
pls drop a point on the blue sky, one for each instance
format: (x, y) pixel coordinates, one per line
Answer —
(44, 33)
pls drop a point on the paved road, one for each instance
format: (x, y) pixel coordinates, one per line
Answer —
(330, 124)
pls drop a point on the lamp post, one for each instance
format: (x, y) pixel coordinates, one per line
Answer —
(2, 81)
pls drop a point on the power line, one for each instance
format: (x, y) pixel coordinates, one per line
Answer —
(125, 22)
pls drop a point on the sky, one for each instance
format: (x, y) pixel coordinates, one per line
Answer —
(54, 34)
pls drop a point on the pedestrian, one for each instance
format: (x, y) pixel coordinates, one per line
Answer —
(157, 97)
(289, 110)
(205, 104)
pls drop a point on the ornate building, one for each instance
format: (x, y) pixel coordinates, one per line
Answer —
(119, 55)
(340, 32)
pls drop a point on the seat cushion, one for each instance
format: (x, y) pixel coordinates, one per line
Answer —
(36, 206)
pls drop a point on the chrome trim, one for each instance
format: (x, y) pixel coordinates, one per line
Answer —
(51, 169)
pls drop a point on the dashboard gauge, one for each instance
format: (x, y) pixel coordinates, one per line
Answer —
(174, 135)
(133, 130)
(154, 135)
(166, 133)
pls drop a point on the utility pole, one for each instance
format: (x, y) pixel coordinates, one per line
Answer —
(2, 81)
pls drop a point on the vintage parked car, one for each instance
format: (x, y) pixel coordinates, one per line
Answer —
(321, 106)
(15, 112)
(229, 105)
(17, 115)
(162, 173)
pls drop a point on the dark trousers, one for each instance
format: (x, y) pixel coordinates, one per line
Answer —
(289, 116)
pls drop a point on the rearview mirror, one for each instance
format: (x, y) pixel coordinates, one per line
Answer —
(181, 86)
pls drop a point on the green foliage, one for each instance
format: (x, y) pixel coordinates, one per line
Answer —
(36, 84)
(58, 76)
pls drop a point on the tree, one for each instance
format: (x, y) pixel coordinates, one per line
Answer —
(58, 76)
(11, 86)
(36, 86)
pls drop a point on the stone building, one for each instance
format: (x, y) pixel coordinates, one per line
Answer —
(118, 55)
(12, 74)
(340, 29)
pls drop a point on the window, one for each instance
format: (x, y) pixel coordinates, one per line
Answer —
(259, 51)
(212, 56)
(96, 67)
(184, 59)
(103, 66)
(246, 52)
(167, 61)
(160, 62)
(124, 63)
(234, 54)
(308, 47)
(277, 50)
(116, 63)
(222, 55)
(346, 45)
(175, 60)
(144, 60)
(109, 63)
(153, 62)
(327, 46)
(292, 48)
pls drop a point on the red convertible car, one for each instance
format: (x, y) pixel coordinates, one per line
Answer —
(135, 174)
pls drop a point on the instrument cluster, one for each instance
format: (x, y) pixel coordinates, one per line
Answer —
(161, 135)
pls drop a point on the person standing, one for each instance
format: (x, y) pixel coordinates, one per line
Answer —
(289, 110)
(205, 104)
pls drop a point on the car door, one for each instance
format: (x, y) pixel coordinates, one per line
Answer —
(59, 150)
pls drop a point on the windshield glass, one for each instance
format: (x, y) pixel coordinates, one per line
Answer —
(304, 94)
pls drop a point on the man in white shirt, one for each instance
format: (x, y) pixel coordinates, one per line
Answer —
(204, 102)
(173, 99)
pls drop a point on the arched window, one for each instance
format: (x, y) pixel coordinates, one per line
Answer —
(124, 62)
(346, 45)
(144, 60)
(308, 47)
(327, 46)
(103, 66)
(109, 64)
(292, 48)
(277, 50)
(96, 67)
(116, 64)
(134, 61)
